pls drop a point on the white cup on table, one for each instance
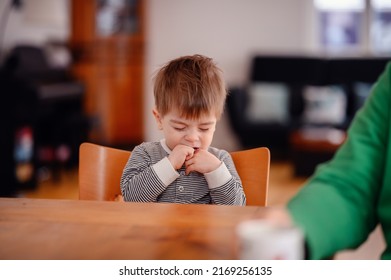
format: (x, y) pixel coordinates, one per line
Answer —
(263, 240)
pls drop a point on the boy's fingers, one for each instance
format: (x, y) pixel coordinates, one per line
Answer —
(188, 170)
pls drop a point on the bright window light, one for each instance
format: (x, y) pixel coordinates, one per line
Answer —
(332, 5)
(381, 4)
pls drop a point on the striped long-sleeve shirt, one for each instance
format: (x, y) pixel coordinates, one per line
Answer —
(149, 177)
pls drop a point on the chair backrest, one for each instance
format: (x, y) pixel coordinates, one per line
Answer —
(253, 167)
(100, 170)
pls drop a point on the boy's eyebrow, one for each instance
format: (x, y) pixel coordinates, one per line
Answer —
(207, 123)
(184, 123)
(177, 121)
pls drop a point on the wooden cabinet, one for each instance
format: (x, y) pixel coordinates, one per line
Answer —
(107, 41)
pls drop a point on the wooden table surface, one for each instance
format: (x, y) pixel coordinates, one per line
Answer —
(73, 229)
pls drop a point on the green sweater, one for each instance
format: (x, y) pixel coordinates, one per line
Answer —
(348, 196)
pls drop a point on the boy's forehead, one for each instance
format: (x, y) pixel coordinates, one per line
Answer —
(176, 116)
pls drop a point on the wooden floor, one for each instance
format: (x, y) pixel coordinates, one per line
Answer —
(64, 186)
(282, 186)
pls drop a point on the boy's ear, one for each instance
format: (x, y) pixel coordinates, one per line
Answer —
(157, 118)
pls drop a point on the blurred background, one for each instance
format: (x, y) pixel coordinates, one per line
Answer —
(74, 71)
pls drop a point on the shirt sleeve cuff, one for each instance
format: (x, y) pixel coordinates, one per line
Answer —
(165, 171)
(218, 177)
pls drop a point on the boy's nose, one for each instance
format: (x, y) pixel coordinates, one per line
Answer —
(192, 136)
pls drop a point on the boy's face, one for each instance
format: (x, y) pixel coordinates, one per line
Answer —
(197, 133)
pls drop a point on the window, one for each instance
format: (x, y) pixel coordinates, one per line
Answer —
(380, 31)
(340, 23)
(358, 25)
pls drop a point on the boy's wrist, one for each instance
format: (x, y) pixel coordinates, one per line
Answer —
(218, 177)
(165, 171)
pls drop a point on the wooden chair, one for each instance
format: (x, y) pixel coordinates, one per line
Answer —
(253, 168)
(100, 170)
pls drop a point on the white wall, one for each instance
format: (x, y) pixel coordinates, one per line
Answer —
(230, 31)
(37, 22)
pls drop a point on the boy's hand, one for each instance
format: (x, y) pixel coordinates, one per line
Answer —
(179, 155)
(202, 161)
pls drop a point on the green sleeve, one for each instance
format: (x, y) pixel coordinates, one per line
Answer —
(337, 206)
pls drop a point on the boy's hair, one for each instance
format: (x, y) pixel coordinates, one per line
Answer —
(194, 85)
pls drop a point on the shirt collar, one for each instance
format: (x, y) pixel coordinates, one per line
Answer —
(164, 145)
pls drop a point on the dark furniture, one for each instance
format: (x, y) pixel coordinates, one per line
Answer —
(42, 119)
(297, 73)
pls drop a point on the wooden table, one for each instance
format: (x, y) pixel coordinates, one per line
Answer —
(73, 229)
